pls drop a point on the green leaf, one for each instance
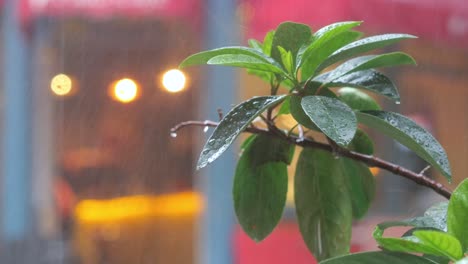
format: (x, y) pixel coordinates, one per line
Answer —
(244, 61)
(315, 53)
(457, 214)
(334, 118)
(204, 56)
(408, 244)
(309, 65)
(284, 109)
(370, 80)
(277, 150)
(362, 143)
(323, 207)
(378, 257)
(408, 133)
(255, 44)
(366, 63)
(435, 217)
(291, 36)
(363, 45)
(357, 100)
(298, 113)
(260, 185)
(232, 125)
(446, 244)
(268, 42)
(361, 185)
(286, 59)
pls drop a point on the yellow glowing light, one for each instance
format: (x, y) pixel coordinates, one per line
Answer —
(61, 84)
(174, 81)
(125, 90)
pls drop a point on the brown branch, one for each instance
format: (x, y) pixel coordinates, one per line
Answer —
(369, 160)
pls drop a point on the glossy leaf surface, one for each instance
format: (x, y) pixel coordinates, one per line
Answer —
(323, 206)
(232, 125)
(334, 118)
(260, 185)
(368, 62)
(364, 45)
(244, 61)
(410, 134)
(434, 218)
(457, 214)
(204, 56)
(370, 80)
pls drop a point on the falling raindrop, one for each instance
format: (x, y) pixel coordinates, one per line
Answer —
(205, 129)
(397, 102)
(173, 134)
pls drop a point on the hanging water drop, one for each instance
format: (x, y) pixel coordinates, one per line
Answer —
(173, 134)
(397, 102)
(205, 129)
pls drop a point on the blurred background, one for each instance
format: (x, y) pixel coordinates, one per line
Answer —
(89, 91)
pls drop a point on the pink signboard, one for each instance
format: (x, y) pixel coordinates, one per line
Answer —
(435, 20)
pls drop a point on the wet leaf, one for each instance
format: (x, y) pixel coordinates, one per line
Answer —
(370, 80)
(366, 63)
(320, 47)
(363, 45)
(434, 218)
(410, 134)
(291, 36)
(244, 61)
(334, 118)
(232, 125)
(457, 214)
(357, 100)
(260, 185)
(378, 257)
(204, 56)
(323, 207)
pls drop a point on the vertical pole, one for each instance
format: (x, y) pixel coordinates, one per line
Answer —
(16, 165)
(215, 244)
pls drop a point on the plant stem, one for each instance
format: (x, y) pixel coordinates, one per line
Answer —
(369, 160)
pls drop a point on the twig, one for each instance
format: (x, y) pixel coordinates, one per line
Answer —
(369, 160)
(425, 169)
(220, 113)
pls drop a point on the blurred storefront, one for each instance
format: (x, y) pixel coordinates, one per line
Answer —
(91, 174)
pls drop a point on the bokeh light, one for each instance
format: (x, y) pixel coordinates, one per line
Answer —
(125, 90)
(61, 84)
(174, 81)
